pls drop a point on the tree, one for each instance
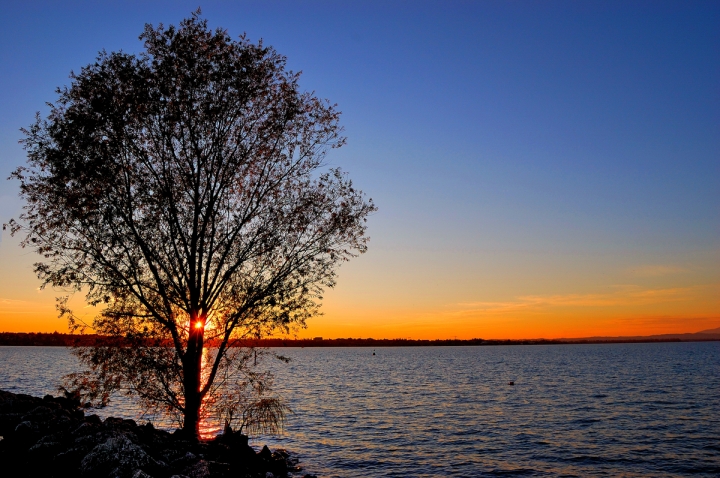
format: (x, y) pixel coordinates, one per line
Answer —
(184, 190)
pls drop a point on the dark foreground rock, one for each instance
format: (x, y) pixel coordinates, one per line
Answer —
(52, 437)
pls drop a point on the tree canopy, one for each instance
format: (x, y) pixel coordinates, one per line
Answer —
(184, 190)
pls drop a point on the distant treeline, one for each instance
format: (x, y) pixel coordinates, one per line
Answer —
(426, 343)
(318, 342)
(56, 339)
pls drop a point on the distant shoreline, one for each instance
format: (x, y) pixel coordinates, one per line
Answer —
(41, 339)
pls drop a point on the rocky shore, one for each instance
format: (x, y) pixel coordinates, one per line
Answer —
(53, 437)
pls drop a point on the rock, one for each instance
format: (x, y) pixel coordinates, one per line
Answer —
(278, 464)
(51, 437)
(232, 438)
(69, 459)
(41, 413)
(141, 474)
(199, 470)
(25, 433)
(94, 419)
(116, 457)
(45, 449)
(265, 453)
(186, 458)
(8, 422)
(85, 428)
(23, 428)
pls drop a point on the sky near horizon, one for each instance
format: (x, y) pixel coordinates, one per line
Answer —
(542, 169)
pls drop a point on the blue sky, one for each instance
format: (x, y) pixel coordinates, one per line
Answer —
(513, 148)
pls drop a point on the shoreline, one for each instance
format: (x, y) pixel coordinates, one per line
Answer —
(55, 339)
(53, 437)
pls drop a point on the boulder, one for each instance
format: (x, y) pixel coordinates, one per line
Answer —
(199, 469)
(141, 474)
(117, 457)
(51, 437)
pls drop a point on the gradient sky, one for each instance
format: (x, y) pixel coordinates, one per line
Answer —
(542, 169)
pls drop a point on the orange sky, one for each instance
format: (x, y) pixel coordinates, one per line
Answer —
(386, 294)
(646, 300)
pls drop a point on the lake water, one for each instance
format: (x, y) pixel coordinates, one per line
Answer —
(575, 410)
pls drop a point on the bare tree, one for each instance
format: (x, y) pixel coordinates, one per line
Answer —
(184, 190)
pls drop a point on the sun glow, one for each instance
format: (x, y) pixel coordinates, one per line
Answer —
(199, 325)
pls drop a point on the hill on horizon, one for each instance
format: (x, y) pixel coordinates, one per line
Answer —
(708, 334)
(709, 331)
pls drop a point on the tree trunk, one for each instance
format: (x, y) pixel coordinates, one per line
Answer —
(192, 371)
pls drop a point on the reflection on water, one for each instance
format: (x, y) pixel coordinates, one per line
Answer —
(575, 410)
(39, 370)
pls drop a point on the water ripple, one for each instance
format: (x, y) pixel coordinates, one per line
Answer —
(575, 410)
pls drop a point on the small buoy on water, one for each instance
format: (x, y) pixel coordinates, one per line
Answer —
(373, 352)
(511, 383)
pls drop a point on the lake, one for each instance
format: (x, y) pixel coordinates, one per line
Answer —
(574, 410)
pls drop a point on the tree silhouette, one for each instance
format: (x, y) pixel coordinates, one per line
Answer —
(184, 190)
